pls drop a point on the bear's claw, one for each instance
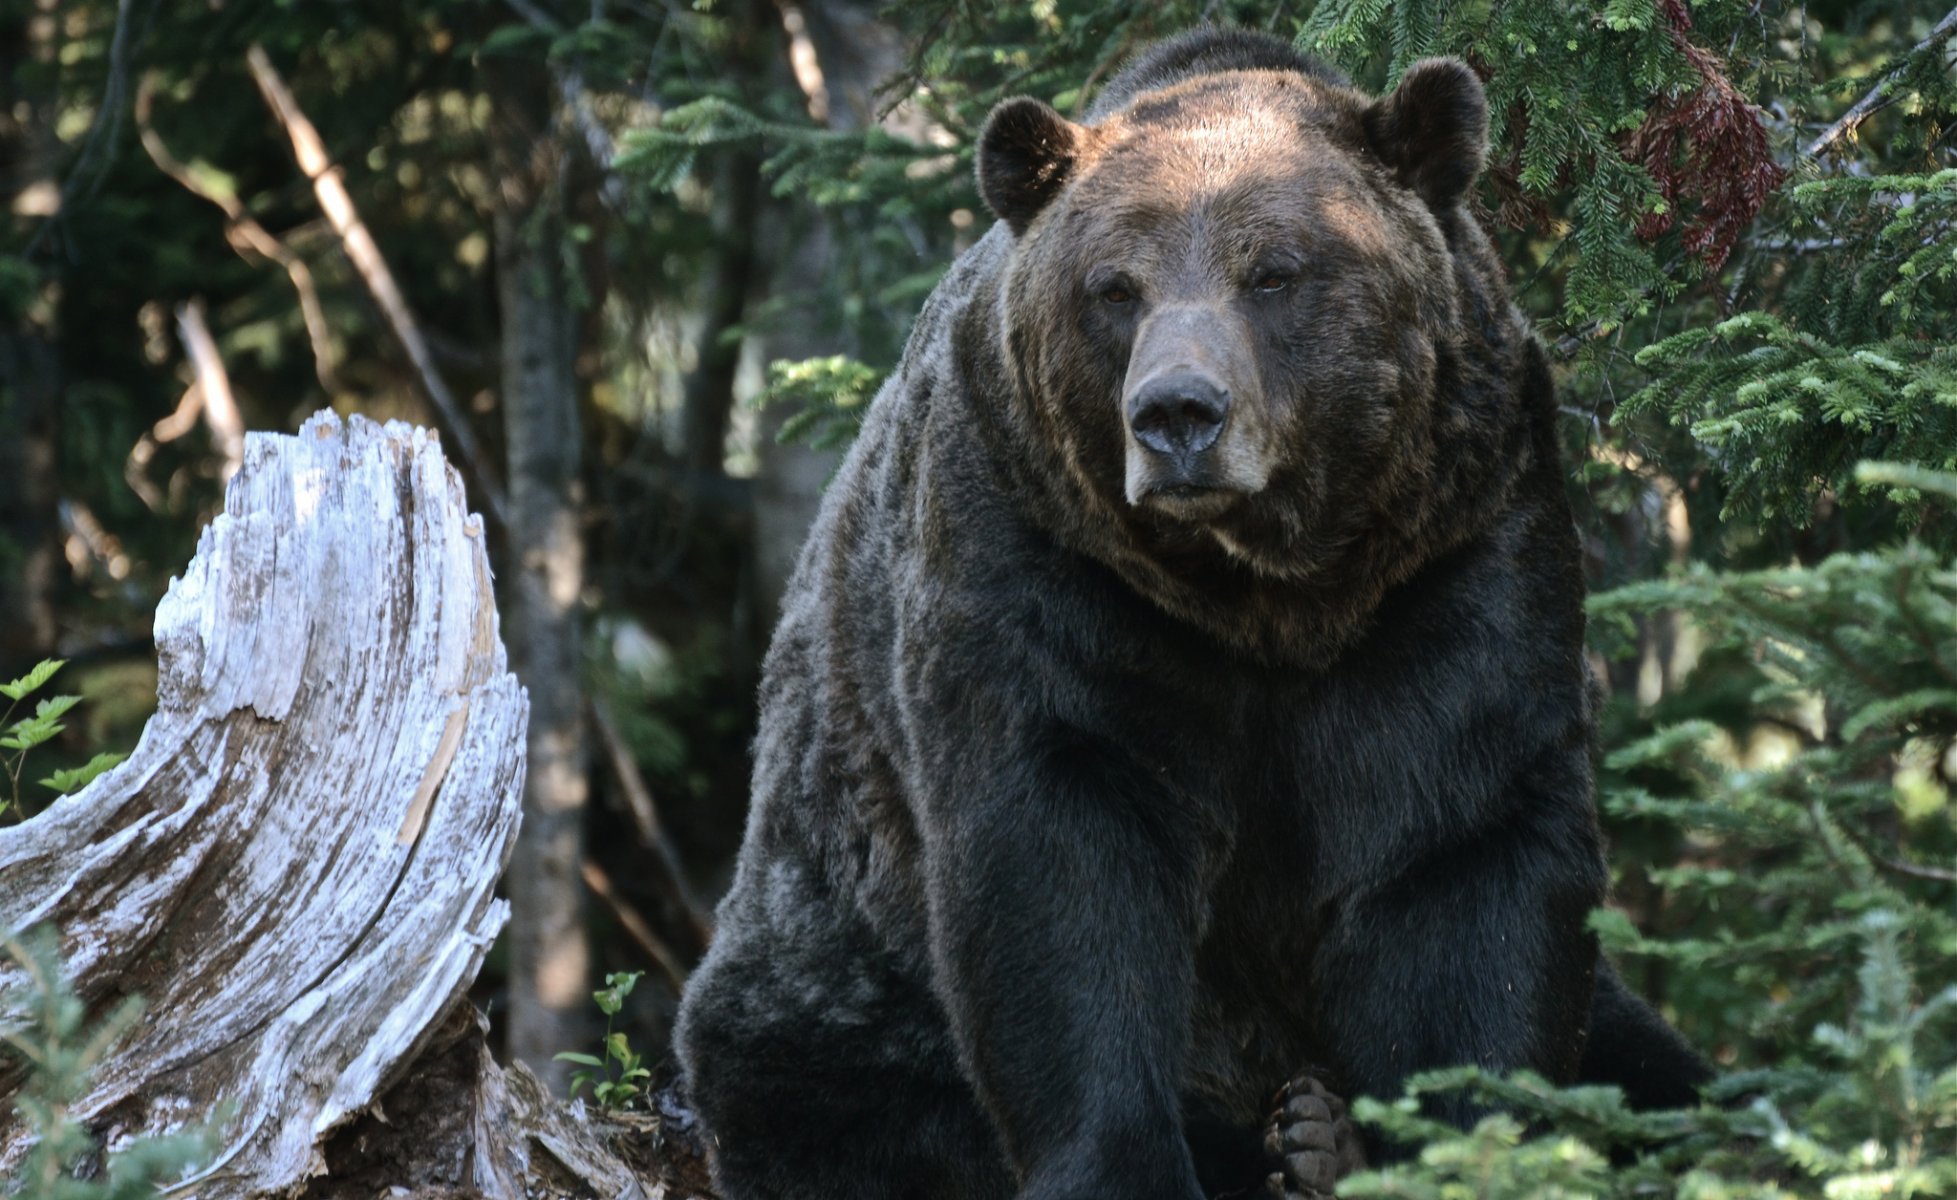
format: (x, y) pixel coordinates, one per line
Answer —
(1312, 1139)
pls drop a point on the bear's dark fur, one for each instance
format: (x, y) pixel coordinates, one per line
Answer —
(1183, 684)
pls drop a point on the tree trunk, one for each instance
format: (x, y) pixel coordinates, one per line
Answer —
(852, 52)
(30, 546)
(296, 869)
(549, 955)
(30, 375)
(709, 397)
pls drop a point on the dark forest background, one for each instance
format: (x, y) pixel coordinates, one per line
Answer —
(644, 262)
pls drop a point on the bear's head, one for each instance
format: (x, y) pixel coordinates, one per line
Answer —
(1261, 349)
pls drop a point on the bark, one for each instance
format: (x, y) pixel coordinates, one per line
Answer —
(549, 955)
(296, 867)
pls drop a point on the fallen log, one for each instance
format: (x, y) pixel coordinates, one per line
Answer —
(296, 867)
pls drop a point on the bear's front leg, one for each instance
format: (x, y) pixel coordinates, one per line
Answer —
(1065, 896)
(1475, 953)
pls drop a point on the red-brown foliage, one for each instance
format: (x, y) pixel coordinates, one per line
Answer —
(1707, 151)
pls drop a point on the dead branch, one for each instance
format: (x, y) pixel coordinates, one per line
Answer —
(635, 924)
(1878, 97)
(209, 396)
(213, 384)
(334, 199)
(645, 815)
(244, 234)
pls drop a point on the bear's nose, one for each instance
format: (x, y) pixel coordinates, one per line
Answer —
(1179, 414)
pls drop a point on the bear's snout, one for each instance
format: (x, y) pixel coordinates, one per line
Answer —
(1190, 405)
(1179, 415)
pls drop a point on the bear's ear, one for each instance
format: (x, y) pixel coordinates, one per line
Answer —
(1433, 129)
(1025, 154)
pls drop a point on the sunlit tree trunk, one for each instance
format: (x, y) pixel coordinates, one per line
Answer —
(709, 396)
(544, 567)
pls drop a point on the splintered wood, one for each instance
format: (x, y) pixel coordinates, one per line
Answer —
(296, 868)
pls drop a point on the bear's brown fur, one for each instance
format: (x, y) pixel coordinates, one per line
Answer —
(1379, 437)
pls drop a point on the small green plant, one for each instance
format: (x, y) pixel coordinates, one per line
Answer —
(44, 1024)
(42, 726)
(617, 1077)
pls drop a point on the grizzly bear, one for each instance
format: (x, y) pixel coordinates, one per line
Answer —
(1181, 696)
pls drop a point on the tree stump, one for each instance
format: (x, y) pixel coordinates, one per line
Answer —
(296, 868)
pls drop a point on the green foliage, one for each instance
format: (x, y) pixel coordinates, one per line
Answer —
(1862, 364)
(1819, 940)
(36, 729)
(1576, 1142)
(45, 1026)
(1555, 120)
(616, 1074)
(824, 167)
(830, 395)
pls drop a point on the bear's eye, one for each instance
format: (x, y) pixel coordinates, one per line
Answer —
(1117, 293)
(1272, 281)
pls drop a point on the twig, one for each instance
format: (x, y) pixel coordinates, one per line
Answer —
(1878, 97)
(365, 255)
(220, 407)
(244, 233)
(634, 924)
(1895, 866)
(1914, 870)
(208, 396)
(645, 815)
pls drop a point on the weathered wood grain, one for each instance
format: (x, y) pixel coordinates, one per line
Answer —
(296, 867)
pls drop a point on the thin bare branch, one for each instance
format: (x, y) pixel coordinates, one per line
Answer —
(645, 815)
(208, 396)
(245, 235)
(635, 925)
(1879, 97)
(365, 254)
(1914, 870)
(214, 384)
